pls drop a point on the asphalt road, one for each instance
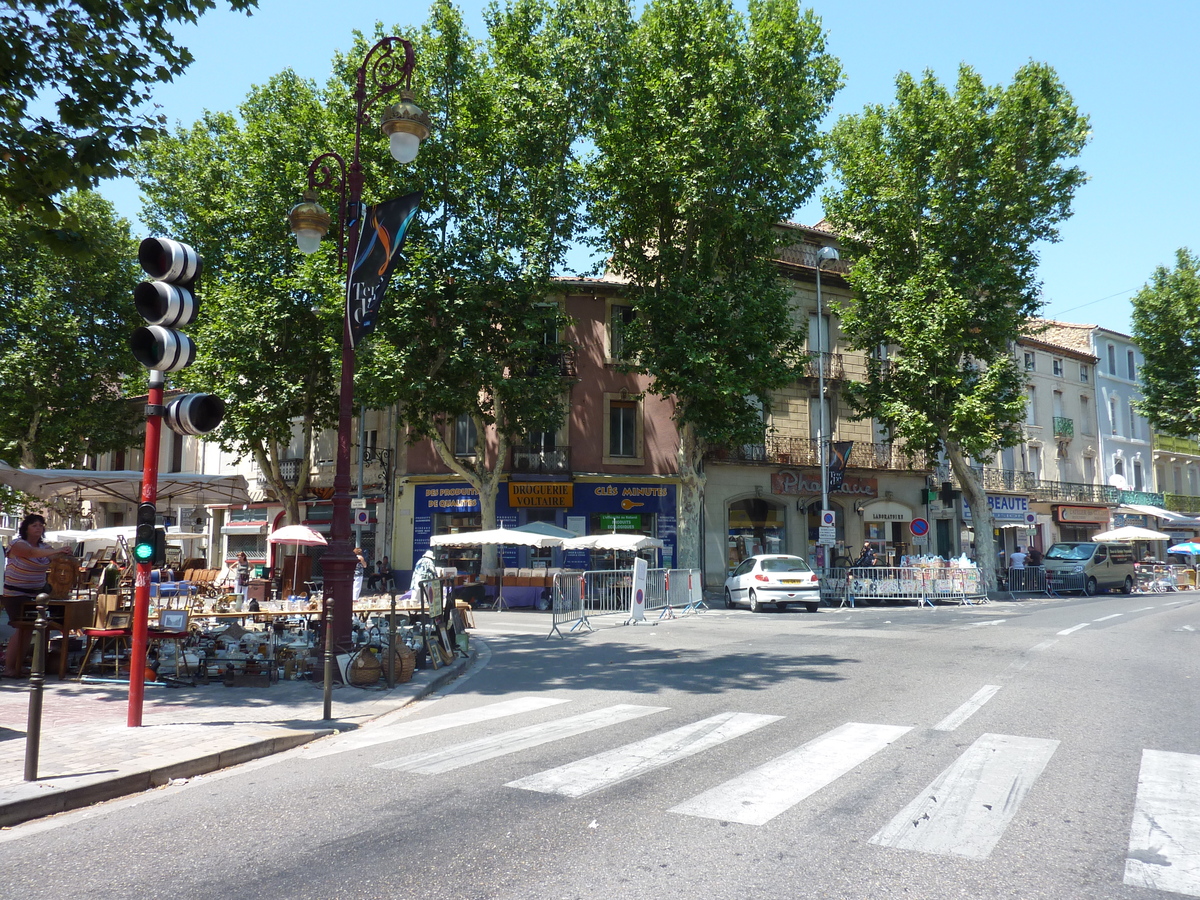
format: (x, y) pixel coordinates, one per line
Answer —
(993, 752)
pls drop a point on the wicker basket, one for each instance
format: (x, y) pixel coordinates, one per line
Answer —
(365, 668)
(406, 663)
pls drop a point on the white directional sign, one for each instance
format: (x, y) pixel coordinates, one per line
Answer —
(826, 535)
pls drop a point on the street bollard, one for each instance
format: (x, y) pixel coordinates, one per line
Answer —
(391, 672)
(328, 662)
(37, 685)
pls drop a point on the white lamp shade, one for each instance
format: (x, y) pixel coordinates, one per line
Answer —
(308, 240)
(404, 146)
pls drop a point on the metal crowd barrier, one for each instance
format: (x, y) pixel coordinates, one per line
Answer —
(579, 596)
(1157, 579)
(920, 584)
(1027, 580)
(1065, 582)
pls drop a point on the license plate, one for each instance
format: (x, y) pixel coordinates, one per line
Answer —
(790, 581)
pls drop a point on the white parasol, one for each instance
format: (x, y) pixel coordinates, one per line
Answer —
(300, 536)
(628, 543)
(1131, 533)
(497, 536)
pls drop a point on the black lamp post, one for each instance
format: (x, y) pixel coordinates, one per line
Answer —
(406, 125)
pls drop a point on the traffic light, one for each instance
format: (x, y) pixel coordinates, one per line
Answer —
(160, 547)
(167, 303)
(144, 536)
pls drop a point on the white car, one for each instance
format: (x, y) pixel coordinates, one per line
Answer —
(773, 578)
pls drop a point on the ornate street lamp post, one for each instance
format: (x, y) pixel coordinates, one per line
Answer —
(406, 125)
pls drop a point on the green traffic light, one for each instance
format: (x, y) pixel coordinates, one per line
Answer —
(143, 552)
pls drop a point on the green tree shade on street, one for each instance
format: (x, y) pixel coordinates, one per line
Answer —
(76, 75)
(65, 369)
(270, 319)
(706, 139)
(944, 196)
(1166, 326)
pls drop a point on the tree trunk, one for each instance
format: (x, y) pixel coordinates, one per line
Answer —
(483, 477)
(691, 498)
(971, 481)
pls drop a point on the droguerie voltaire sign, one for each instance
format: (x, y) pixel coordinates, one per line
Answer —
(793, 481)
(526, 494)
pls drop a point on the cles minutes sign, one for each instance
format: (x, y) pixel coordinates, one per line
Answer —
(557, 494)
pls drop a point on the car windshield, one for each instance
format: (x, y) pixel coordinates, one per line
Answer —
(1071, 551)
(784, 564)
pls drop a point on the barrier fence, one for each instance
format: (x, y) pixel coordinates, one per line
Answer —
(921, 585)
(1026, 580)
(580, 596)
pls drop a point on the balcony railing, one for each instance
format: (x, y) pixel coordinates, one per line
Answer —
(558, 360)
(1183, 503)
(995, 479)
(1142, 498)
(790, 451)
(289, 471)
(805, 254)
(1064, 427)
(1176, 444)
(535, 460)
(832, 363)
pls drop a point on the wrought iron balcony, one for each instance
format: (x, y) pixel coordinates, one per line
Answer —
(1176, 445)
(1181, 503)
(995, 479)
(556, 359)
(289, 471)
(805, 254)
(1064, 428)
(792, 451)
(831, 362)
(537, 460)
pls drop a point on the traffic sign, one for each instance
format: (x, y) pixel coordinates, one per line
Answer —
(919, 527)
(828, 517)
(826, 535)
(358, 502)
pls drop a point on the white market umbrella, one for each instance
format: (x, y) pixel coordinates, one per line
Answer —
(1131, 533)
(628, 543)
(1189, 547)
(299, 536)
(499, 537)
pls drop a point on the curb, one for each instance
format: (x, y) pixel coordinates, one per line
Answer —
(59, 800)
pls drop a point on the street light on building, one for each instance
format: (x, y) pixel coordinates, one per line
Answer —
(824, 255)
(406, 126)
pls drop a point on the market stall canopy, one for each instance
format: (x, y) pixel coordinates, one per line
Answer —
(545, 528)
(102, 537)
(626, 542)
(1187, 547)
(125, 485)
(1131, 533)
(512, 536)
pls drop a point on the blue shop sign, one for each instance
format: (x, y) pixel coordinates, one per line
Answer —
(1005, 508)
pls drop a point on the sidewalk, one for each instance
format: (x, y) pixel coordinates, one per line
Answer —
(89, 754)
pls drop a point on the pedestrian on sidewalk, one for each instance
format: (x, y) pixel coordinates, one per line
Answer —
(1017, 559)
(27, 562)
(242, 567)
(360, 570)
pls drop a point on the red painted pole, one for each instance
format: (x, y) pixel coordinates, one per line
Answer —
(141, 589)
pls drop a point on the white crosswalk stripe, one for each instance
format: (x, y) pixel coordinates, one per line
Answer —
(388, 733)
(1164, 839)
(965, 810)
(761, 794)
(968, 709)
(455, 757)
(606, 769)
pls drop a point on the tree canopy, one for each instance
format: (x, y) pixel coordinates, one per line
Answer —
(706, 140)
(65, 369)
(943, 198)
(76, 75)
(1166, 326)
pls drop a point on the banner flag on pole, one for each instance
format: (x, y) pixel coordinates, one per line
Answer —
(838, 457)
(384, 228)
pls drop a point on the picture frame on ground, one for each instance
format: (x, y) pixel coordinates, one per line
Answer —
(433, 651)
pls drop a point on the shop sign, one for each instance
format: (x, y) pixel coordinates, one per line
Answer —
(621, 523)
(1089, 514)
(525, 494)
(452, 498)
(1180, 537)
(1120, 520)
(887, 511)
(793, 481)
(1007, 508)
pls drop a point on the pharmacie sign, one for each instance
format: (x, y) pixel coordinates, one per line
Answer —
(557, 494)
(1005, 508)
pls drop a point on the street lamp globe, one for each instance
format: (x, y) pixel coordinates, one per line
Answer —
(826, 254)
(406, 125)
(309, 223)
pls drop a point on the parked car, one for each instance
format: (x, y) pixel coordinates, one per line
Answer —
(773, 578)
(1090, 566)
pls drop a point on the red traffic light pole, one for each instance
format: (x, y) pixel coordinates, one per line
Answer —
(141, 588)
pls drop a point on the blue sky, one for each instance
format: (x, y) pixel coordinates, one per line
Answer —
(1133, 68)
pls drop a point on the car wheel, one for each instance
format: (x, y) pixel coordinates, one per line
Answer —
(1089, 587)
(755, 606)
(811, 607)
(1128, 587)
(728, 599)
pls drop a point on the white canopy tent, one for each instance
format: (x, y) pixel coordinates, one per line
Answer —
(174, 488)
(628, 543)
(497, 537)
(1131, 533)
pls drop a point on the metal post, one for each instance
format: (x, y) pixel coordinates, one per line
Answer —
(141, 589)
(328, 662)
(391, 671)
(37, 685)
(823, 426)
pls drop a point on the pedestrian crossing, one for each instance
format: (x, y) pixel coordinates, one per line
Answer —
(964, 812)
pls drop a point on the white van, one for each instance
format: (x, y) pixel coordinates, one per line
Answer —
(1090, 566)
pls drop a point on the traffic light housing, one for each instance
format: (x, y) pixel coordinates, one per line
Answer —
(195, 413)
(166, 303)
(144, 534)
(160, 547)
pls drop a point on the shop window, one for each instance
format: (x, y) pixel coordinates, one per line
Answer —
(620, 317)
(466, 435)
(756, 526)
(622, 430)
